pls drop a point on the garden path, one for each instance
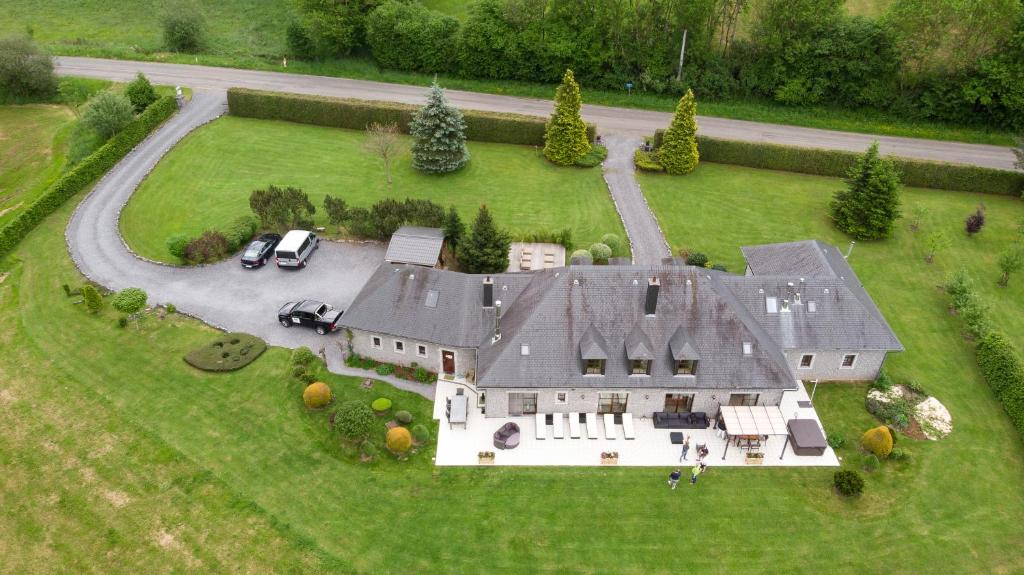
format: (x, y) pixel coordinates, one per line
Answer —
(642, 229)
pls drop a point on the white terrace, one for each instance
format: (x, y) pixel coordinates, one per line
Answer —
(460, 445)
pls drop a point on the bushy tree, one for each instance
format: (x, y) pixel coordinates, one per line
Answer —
(107, 113)
(184, 27)
(565, 136)
(92, 298)
(600, 251)
(870, 205)
(678, 152)
(384, 141)
(453, 228)
(354, 419)
(410, 36)
(334, 28)
(130, 301)
(282, 208)
(25, 72)
(209, 247)
(440, 135)
(140, 93)
(485, 249)
(1010, 261)
(612, 241)
(336, 209)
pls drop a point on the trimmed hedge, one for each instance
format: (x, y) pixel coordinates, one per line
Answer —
(86, 172)
(1004, 371)
(357, 114)
(835, 163)
(227, 352)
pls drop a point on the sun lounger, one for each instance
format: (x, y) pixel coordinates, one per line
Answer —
(627, 426)
(542, 427)
(592, 425)
(549, 260)
(559, 425)
(574, 425)
(609, 426)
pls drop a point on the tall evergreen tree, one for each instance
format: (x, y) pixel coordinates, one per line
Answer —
(678, 151)
(453, 228)
(485, 249)
(565, 137)
(440, 134)
(870, 205)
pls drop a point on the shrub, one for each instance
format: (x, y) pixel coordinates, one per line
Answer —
(421, 433)
(960, 287)
(240, 232)
(600, 252)
(107, 114)
(25, 72)
(877, 440)
(92, 298)
(85, 173)
(583, 257)
(316, 395)
(303, 356)
(1003, 369)
(368, 449)
(299, 371)
(227, 352)
(399, 440)
(403, 417)
(307, 377)
(171, 308)
(176, 245)
(140, 93)
(385, 369)
(122, 322)
(900, 454)
(209, 247)
(282, 208)
(871, 462)
(381, 404)
(975, 221)
(423, 376)
(647, 161)
(836, 440)
(848, 482)
(412, 37)
(594, 157)
(129, 300)
(697, 259)
(184, 27)
(353, 420)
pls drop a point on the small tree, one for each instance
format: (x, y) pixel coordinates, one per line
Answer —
(440, 135)
(871, 203)
(383, 141)
(107, 113)
(140, 93)
(336, 210)
(282, 208)
(184, 27)
(918, 215)
(1010, 262)
(176, 245)
(354, 419)
(937, 242)
(209, 247)
(453, 228)
(92, 298)
(25, 72)
(485, 249)
(678, 152)
(975, 221)
(565, 136)
(600, 251)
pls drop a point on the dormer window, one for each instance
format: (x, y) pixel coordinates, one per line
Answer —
(686, 367)
(594, 367)
(640, 367)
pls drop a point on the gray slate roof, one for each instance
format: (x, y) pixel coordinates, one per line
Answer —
(801, 259)
(414, 245)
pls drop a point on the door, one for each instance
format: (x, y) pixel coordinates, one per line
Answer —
(447, 361)
(522, 404)
(678, 402)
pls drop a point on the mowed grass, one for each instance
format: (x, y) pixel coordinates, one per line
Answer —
(206, 180)
(33, 148)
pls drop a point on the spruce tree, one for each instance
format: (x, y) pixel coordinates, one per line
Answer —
(565, 136)
(870, 205)
(678, 152)
(485, 249)
(454, 229)
(439, 131)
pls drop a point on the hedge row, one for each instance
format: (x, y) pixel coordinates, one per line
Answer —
(1004, 371)
(835, 163)
(86, 172)
(357, 114)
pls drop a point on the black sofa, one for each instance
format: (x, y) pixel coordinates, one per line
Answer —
(685, 420)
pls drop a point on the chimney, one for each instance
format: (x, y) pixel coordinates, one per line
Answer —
(651, 301)
(488, 292)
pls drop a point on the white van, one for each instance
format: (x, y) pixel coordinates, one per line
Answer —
(295, 248)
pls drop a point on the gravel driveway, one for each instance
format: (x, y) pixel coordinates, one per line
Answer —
(642, 229)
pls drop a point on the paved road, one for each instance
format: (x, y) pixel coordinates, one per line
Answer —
(609, 120)
(225, 294)
(645, 237)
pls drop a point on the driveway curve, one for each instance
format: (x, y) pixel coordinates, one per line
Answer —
(224, 295)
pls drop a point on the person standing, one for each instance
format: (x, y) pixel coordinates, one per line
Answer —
(694, 473)
(686, 449)
(673, 478)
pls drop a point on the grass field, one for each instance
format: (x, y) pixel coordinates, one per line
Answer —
(205, 182)
(33, 147)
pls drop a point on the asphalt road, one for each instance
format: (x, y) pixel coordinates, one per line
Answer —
(609, 120)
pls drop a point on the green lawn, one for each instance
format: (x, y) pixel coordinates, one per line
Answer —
(206, 180)
(33, 147)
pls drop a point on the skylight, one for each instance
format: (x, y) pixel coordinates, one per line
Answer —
(431, 298)
(524, 349)
(812, 307)
(771, 304)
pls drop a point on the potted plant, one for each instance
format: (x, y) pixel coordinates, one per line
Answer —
(609, 457)
(756, 458)
(485, 457)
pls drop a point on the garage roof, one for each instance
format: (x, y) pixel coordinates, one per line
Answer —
(415, 245)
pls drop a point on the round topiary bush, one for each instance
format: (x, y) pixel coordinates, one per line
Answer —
(877, 441)
(600, 251)
(399, 440)
(354, 420)
(316, 395)
(129, 300)
(612, 241)
(303, 356)
(848, 482)
(697, 259)
(381, 404)
(584, 256)
(403, 417)
(420, 433)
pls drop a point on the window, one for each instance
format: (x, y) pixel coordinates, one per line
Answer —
(399, 346)
(522, 403)
(848, 361)
(611, 402)
(375, 342)
(686, 367)
(678, 402)
(640, 367)
(806, 360)
(421, 350)
(748, 348)
(745, 399)
(524, 349)
(771, 304)
(594, 367)
(561, 397)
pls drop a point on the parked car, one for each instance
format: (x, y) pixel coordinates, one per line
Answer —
(310, 313)
(295, 249)
(260, 250)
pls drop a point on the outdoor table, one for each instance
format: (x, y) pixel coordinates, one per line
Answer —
(676, 437)
(460, 411)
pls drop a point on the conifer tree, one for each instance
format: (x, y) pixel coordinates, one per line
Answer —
(454, 229)
(440, 135)
(485, 249)
(565, 136)
(870, 205)
(678, 152)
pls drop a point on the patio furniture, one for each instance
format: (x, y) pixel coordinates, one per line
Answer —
(754, 423)
(542, 426)
(683, 420)
(549, 259)
(748, 442)
(609, 426)
(458, 411)
(627, 426)
(592, 426)
(526, 259)
(806, 437)
(574, 425)
(507, 436)
(676, 437)
(558, 425)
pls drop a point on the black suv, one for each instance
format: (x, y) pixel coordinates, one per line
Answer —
(260, 250)
(309, 313)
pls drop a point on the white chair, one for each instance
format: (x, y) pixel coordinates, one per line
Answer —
(609, 426)
(574, 425)
(592, 426)
(542, 427)
(627, 426)
(559, 425)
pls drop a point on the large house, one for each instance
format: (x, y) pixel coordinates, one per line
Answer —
(624, 338)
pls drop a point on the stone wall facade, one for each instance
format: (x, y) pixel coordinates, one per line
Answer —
(363, 344)
(827, 365)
